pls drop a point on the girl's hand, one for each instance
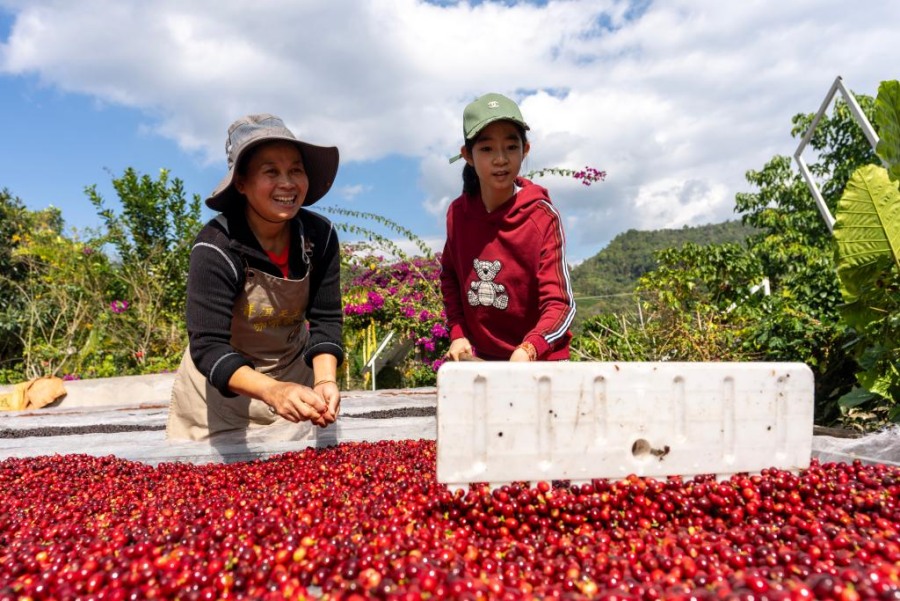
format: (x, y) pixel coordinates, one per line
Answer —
(524, 352)
(459, 348)
(520, 354)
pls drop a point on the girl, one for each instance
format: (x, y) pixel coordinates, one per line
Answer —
(504, 278)
(264, 311)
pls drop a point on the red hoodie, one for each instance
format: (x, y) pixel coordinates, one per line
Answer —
(504, 276)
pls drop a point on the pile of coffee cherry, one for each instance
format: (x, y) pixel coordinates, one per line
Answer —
(370, 521)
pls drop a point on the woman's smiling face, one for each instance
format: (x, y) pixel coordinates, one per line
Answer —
(274, 181)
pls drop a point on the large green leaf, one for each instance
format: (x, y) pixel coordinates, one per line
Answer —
(858, 313)
(855, 398)
(867, 229)
(887, 122)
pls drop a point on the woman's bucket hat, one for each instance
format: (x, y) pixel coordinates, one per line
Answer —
(320, 162)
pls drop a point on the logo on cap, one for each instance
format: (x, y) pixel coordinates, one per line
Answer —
(493, 104)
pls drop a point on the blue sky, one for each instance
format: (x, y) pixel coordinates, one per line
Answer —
(675, 100)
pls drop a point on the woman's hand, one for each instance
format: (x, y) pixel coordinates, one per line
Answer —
(294, 402)
(329, 391)
(298, 403)
(459, 348)
(325, 386)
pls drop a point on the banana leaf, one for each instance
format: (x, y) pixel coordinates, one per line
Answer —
(887, 121)
(867, 230)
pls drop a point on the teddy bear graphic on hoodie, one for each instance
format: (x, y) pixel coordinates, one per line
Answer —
(486, 291)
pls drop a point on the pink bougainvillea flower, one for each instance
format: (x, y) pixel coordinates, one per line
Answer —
(376, 300)
(590, 175)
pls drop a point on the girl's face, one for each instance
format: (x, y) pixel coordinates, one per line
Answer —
(497, 157)
(274, 181)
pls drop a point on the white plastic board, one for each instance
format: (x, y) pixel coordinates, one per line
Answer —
(500, 422)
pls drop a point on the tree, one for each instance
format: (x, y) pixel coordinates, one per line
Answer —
(58, 291)
(695, 307)
(152, 236)
(697, 303)
(605, 282)
(15, 222)
(75, 308)
(797, 251)
(17, 227)
(867, 231)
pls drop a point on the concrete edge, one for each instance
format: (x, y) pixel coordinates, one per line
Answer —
(156, 389)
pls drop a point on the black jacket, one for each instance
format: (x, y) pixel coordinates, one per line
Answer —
(216, 277)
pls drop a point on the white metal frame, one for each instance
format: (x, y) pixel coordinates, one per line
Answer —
(763, 285)
(381, 347)
(860, 118)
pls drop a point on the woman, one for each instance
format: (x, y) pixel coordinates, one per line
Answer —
(264, 313)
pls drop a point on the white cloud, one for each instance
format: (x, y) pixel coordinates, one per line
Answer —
(408, 247)
(675, 202)
(676, 99)
(351, 192)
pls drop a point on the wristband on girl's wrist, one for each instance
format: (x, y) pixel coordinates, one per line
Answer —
(325, 381)
(529, 349)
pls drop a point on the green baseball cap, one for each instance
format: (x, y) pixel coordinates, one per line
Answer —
(486, 109)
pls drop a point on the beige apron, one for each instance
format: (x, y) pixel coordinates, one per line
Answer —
(268, 326)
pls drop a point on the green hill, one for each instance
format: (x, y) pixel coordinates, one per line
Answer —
(604, 282)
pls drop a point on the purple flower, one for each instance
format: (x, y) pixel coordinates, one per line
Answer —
(376, 300)
(118, 306)
(69, 377)
(590, 175)
(438, 330)
(360, 309)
